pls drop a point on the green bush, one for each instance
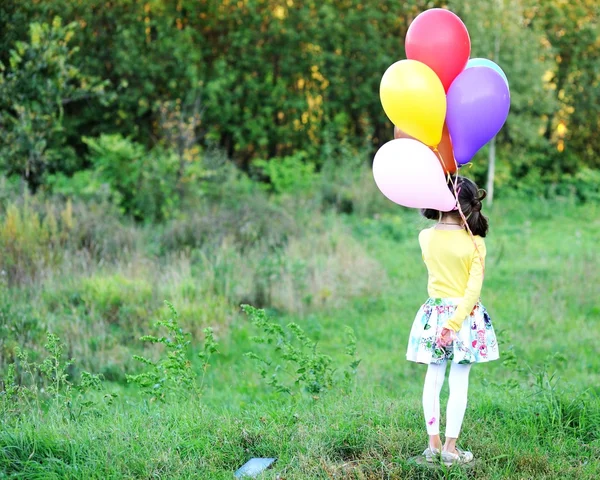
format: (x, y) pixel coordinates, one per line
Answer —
(149, 185)
(85, 185)
(582, 186)
(117, 299)
(145, 182)
(292, 174)
(586, 184)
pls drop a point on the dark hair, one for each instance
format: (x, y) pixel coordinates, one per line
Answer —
(469, 198)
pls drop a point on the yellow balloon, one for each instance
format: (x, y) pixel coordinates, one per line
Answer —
(414, 99)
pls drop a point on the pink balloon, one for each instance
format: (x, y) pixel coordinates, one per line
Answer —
(410, 174)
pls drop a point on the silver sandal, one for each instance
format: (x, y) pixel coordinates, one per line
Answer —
(431, 454)
(462, 457)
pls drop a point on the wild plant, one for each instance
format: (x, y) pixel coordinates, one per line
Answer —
(292, 362)
(35, 385)
(173, 373)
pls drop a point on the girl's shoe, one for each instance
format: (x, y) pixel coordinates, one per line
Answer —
(462, 457)
(431, 454)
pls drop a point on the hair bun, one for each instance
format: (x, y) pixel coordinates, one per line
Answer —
(476, 203)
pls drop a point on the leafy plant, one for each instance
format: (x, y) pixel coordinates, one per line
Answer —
(297, 356)
(86, 185)
(173, 373)
(351, 350)
(144, 182)
(289, 174)
(54, 368)
(33, 384)
(148, 184)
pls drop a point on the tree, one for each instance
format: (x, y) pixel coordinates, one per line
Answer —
(571, 30)
(502, 30)
(34, 89)
(279, 78)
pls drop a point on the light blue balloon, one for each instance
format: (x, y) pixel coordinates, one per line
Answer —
(484, 62)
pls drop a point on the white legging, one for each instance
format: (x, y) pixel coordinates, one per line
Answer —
(458, 381)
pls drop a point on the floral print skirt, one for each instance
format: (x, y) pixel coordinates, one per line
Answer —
(475, 342)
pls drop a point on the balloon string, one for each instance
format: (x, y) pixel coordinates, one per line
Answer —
(439, 155)
(437, 333)
(464, 219)
(456, 189)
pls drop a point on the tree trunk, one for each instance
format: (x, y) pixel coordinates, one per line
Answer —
(491, 173)
(492, 155)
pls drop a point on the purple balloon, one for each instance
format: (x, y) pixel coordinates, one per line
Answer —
(478, 105)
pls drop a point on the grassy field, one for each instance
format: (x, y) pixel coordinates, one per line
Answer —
(533, 414)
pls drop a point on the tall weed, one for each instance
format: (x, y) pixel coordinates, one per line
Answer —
(291, 362)
(32, 386)
(173, 374)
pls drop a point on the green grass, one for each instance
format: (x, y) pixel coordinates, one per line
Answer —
(368, 434)
(533, 414)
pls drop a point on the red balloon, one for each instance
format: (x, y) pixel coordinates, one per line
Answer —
(440, 40)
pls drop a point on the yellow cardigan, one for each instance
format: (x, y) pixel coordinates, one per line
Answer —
(455, 269)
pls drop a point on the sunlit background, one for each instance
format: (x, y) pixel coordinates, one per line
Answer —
(218, 153)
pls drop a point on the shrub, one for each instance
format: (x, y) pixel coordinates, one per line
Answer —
(117, 299)
(85, 185)
(293, 174)
(144, 182)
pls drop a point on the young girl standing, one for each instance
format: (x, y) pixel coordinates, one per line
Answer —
(452, 326)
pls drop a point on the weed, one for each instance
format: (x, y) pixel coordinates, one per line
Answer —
(351, 351)
(37, 385)
(173, 373)
(296, 356)
(55, 369)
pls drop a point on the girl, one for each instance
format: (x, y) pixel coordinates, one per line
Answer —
(452, 326)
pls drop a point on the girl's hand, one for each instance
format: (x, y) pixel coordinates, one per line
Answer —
(445, 338)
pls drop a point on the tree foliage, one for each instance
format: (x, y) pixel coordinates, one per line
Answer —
(39, 81)
(270, 78)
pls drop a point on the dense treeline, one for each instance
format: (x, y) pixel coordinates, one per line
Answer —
(263, 79)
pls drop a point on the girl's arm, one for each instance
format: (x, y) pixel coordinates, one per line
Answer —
(473, 290)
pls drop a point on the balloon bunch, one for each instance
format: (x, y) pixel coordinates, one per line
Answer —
(444, 106)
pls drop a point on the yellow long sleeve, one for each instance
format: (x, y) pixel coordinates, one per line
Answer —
(456, 269)
(473, 288)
